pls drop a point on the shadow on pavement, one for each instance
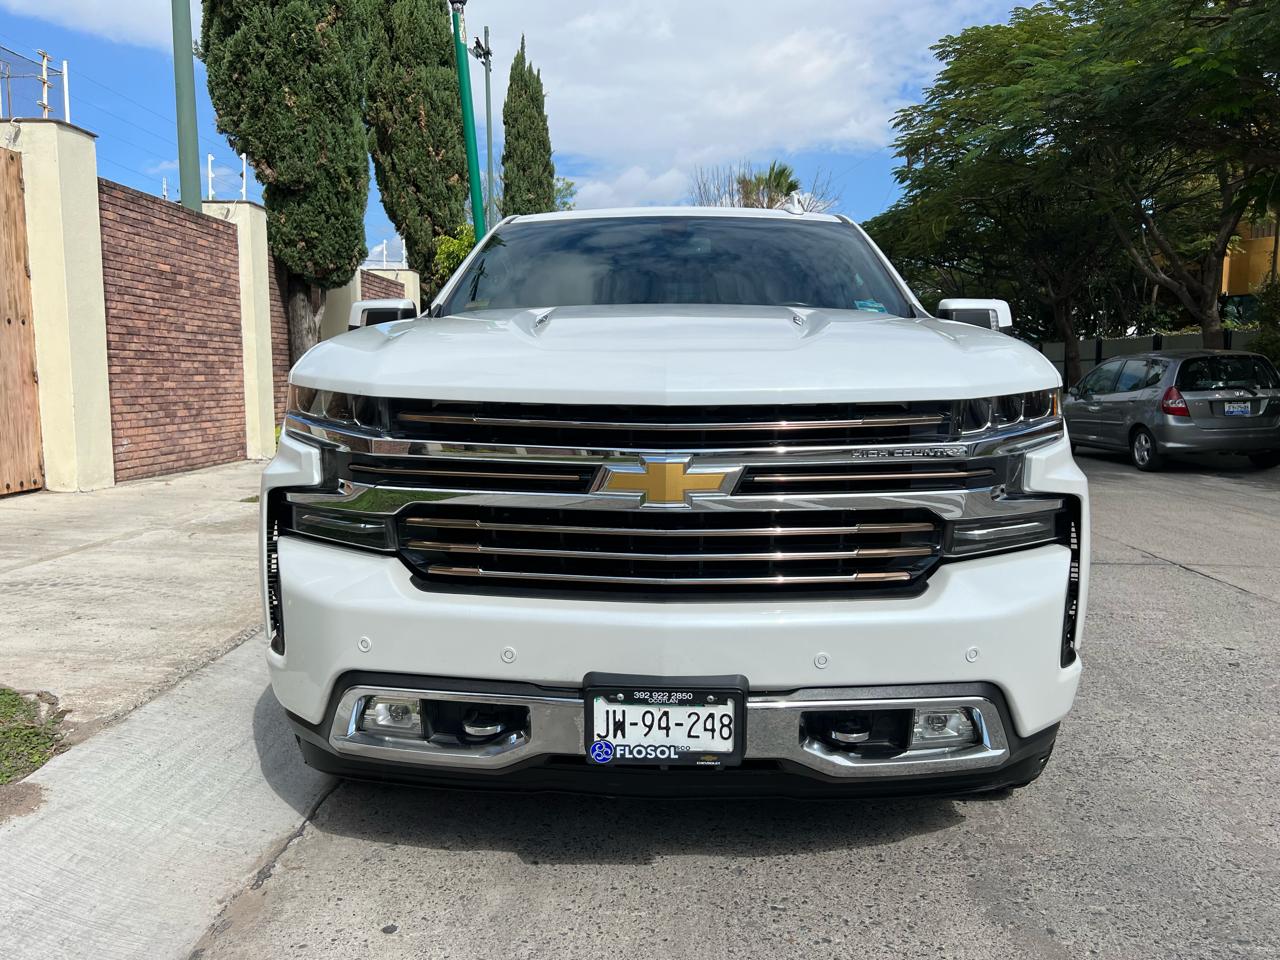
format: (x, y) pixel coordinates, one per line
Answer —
(563, 828)
(1201, 464)
(567, 829)
(280, 760)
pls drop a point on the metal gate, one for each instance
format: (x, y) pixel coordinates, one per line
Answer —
(21, 463)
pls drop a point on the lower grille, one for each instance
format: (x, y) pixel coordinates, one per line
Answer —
(680, 553)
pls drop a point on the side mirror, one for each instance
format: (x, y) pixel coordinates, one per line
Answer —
(368, 313)
(994, 314)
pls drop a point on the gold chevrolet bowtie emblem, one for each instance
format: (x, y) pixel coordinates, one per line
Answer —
(664, 482)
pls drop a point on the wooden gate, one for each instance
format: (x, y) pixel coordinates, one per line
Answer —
(21, 463)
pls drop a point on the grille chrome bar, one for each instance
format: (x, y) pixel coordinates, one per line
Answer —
(1017, 438)
(870, 477)
(777, 579)
(855, 528)
(767, 556)
(471, 474)
(914, 420)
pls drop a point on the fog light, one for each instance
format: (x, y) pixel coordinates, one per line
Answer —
(948, 727)
(402, 718)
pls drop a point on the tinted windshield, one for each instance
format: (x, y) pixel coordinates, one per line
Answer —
(1227, 372)
(755, 261)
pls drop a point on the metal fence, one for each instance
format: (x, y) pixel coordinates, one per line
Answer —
(33, 87)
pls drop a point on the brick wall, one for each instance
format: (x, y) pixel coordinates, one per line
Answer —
(174, 354)
(374, 287)
(279, 335)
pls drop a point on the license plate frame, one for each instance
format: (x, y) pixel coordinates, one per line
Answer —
(1237, 408)
(724, 696)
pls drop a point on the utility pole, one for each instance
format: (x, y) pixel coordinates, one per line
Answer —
(209, 166)
(184, 91)
(468, 116)
(484, 53)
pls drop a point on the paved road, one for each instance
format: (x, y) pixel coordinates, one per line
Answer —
(1154, 832)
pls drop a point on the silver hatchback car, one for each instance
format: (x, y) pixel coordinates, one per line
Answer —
(1179, 401)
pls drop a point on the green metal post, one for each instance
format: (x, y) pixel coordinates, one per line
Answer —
(468, 120)
(184, 90)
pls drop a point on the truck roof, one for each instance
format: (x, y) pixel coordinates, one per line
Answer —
(674, 212)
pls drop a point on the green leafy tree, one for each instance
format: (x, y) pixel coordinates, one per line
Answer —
(1169, 113)
(769, 188)
(1267, 342)
(987, 203)
(415, 125)
(744, 185)
(566, 193)
(287, 79)
(528, 173)
(451, 250)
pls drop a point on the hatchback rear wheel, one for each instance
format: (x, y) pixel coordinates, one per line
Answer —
(1143, 451)
(1265, 461)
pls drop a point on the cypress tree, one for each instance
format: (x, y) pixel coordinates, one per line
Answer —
(287, 79)
(528, 175)
(415, 126)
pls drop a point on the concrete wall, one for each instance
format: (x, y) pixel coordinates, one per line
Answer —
(256, 279)
(1249, 264)
(410, 283)
(64, 246)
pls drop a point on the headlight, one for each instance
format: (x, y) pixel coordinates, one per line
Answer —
(332, 407)
(995, 413)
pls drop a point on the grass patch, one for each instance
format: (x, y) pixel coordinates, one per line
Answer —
(26, 740)
(253, 499)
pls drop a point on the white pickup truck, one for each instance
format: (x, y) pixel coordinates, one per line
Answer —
(677, 501)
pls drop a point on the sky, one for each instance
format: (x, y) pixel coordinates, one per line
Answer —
(640, 93)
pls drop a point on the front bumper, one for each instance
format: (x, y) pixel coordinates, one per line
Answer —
(993, 621)
(780, 759)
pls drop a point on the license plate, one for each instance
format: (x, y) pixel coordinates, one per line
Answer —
(1237, 408)
(664, 726)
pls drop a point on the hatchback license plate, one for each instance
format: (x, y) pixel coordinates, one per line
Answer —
(665, 726)
(1237, 408)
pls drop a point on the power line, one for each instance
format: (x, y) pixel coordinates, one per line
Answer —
(81, 75)
(147, 130)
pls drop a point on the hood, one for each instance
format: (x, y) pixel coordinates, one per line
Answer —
(675, 354)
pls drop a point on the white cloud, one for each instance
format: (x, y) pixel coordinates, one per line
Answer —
(642, 91)
(639, 92)
(141, 23)
(633, 186)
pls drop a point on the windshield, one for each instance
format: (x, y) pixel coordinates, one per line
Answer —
(757, 261)
(1243, 372)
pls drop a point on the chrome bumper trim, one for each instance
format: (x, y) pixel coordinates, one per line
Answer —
(1015, 438)
(772, 731)
(972, 504)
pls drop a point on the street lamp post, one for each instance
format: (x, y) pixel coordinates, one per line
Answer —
(468, 118)
(484, 53)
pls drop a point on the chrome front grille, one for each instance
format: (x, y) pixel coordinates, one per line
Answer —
(679, 502)
(687, 552)
(533, 425)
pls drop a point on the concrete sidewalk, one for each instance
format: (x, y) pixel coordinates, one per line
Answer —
(107, 598)
(137, 839)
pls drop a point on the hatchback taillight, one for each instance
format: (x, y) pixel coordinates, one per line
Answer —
(1173, 404)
